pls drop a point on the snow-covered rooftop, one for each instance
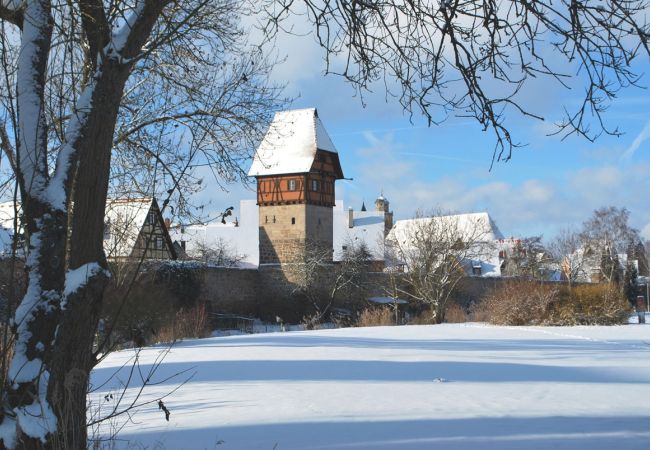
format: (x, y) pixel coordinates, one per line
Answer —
(367, 227)
(124, 218)
(477, 226)
(290, 144)
(240, 242)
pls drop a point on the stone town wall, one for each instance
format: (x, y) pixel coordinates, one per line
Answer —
(272, 291)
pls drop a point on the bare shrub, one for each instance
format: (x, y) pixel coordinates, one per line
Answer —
(425, 317)
(455, 314)
(376, 317)
(188, 323)
(591, 304)
(519, 303)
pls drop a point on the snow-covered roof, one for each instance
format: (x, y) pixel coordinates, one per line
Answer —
(368, 228)
(290, 144)
(475, 226)
(7, 226)
(241, 242)
(124, 218)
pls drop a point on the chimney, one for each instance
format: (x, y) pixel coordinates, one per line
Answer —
(350, 217)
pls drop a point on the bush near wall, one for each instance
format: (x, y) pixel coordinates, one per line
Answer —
(532, 303)
(590, 304)
(519, 303)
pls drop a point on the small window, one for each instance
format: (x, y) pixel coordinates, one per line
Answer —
(314, 185)
(107, 230)
(476, 270)
(502, 254)
(159, 243)
(292, 185)
(152, 217)
(273, 219)
(266, 219)
(293, 221)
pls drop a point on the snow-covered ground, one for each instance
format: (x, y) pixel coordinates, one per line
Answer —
(466, 386)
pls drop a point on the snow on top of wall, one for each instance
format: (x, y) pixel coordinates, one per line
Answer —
(290, 144)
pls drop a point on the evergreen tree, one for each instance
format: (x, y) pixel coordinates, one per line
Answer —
(629, 282)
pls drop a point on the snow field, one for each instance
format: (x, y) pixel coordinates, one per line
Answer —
(460, 386)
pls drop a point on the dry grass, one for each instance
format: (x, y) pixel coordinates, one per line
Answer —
(456, 314)
(376, 317)
(190, 323)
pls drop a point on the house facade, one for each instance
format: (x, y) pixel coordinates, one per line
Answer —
(134, 229)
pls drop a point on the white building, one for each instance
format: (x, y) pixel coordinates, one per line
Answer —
(241, 239)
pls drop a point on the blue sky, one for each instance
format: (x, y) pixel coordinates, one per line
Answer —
(548, 185)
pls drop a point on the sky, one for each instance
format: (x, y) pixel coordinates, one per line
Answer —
(549, 184)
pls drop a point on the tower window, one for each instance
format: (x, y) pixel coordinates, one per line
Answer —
(293, 221)
(291, 185)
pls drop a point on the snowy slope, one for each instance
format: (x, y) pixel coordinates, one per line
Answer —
(467, 386)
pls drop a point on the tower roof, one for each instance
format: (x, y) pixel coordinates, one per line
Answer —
(290, 144)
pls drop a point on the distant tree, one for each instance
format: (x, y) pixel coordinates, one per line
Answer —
(572, 257)
(637, 251)
(435, 251)
(630, 287)
(217, 253)
(320, 281)
(610, 266)
(608, 233)
(529, 258)
(608, 230)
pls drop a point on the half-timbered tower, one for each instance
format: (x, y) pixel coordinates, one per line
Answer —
(296, 166)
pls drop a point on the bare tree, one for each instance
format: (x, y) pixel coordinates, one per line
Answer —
(218, 253)
(479, 59)
(528, 258)
(608, 227)
(150, 87)
(321, 282)
(609, 234)
(572, 256)
(436, 252)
